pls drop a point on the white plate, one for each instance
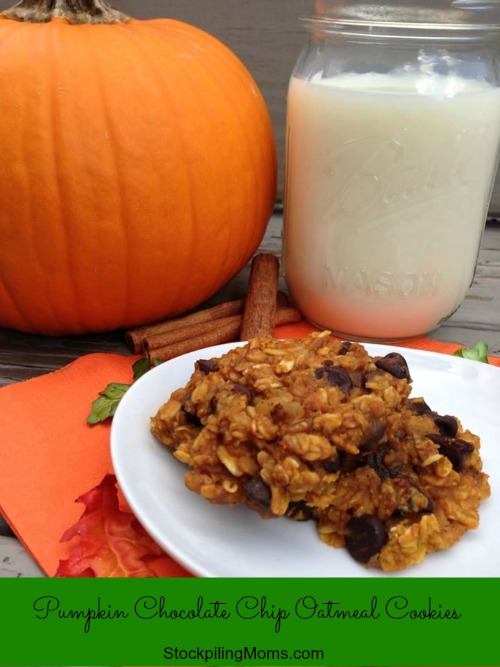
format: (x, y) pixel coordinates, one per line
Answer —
(221, 541)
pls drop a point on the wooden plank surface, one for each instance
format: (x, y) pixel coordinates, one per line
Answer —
(15, 562)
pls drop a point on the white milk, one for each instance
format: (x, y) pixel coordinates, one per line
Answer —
(387, 191)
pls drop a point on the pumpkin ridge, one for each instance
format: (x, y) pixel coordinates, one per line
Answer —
(192, 216)
(188, 212)
(254, 198)
(252, 195)
(61, 282)
(19, 222)
(122, 213)
(238, 69)
(25, 322)
(21, 317)
(59, 149)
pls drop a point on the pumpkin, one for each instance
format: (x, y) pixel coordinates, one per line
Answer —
(137, 167)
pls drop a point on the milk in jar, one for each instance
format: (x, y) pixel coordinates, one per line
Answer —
(388, 179)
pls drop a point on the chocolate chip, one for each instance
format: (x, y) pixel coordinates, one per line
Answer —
(335, 376)
(447, 425)
(455, 449)
(394, 364)
(258, 491)
(350, 462)
(419, 406)
(207, 366)
(344, 462)
(365, 536)
(299, 511)
(346, 346)
(191, 419)
(341, 379)
(331, 465)
(373, 436)
(376, 461)
(246, 391)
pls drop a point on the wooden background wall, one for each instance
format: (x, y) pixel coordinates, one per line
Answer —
(265, 34)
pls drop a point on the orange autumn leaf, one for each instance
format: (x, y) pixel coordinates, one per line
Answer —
(108, 541)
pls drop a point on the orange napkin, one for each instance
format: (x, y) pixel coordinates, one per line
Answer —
(50, 456)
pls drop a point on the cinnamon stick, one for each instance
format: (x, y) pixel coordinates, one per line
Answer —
(224, 330)
(135, 338)
(260, 305)
(191, 326)
(231, 324)
(287, 315)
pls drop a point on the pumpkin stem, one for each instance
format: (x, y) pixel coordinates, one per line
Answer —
(74, 11)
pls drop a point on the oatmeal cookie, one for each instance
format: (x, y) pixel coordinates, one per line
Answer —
(318, 429)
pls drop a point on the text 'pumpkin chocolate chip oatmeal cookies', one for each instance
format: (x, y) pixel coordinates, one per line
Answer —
(318, 429)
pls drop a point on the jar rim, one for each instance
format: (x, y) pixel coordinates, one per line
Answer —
(457, 19)
(351, 27)
(416, 25)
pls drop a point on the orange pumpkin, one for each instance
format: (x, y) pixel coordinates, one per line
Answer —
(137, 167)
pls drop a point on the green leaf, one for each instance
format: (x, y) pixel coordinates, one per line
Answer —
(477, 353)
(141, 367)
(105, 405)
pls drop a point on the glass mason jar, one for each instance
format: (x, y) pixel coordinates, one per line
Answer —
(393, 132)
